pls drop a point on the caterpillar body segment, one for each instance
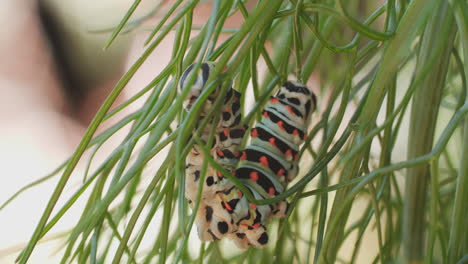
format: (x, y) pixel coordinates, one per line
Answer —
(197, 86)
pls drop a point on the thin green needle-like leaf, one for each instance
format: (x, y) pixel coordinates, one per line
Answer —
(122, 23)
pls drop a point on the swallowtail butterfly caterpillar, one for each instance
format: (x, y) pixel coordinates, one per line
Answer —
(270, 161)
(213, 222)
(266, 165)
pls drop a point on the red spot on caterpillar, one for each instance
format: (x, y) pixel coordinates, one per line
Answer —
(219, 174)
(304, 137)
(290, 110)
(296, 156)
(272, 141)
(254, 176)
(236, 154)
(228, 110)
(295, 132)
(226, 132)
(228, 207)
(288, 153)
(220, 153)
(239, 193)
(224, 69)
(264, 161)
(265, 114)
(254, 133)
(253, 206)
(257, 225)
(274, 100)
(271, 191)
(244, 156)
(280, 125)
(280, 173)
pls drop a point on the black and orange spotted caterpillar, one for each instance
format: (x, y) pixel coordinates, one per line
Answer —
(212, 220)
(270, 161)
(267, 164)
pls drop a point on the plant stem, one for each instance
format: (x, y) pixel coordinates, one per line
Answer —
(458, 229)
(424, 112)
(396, 49)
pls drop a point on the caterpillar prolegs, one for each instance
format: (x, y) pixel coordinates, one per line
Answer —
(265, 166)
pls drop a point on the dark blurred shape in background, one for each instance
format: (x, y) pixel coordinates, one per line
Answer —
(86, 72)
(54, 75)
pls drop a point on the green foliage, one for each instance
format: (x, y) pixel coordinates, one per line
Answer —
(363, 59)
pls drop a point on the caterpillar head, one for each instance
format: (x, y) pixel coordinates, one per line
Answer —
(197, 86)
(246, 236)
(298, 96)
(240, 239)
(213, 221)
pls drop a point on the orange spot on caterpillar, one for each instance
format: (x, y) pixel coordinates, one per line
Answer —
(274, 100)
(253, 206)
(254, 176)
(226, 132)
(280, 173)
(257, 225)
(280, 125)
(219, 174)
(290, 110)
(295, 132)
(240, 194)
(228, 207)
(271, 191)
(244, 156)
(288, 153)
(220, 153)
(265, 114)
(264, 161)
(272, 141)
(254, 133)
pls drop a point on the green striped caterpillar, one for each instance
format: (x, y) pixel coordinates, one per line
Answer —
(270, 161)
